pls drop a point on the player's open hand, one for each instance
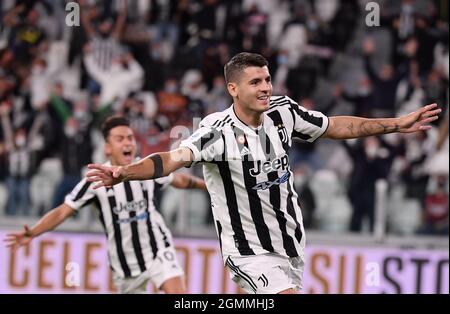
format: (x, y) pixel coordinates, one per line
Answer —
(105, 176)
(419, 120)
(17, 239)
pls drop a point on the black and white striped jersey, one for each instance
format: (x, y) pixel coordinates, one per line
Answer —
(135, 230)
(248, 176)
(105, 50)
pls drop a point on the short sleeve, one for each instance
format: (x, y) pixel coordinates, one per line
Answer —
(309, 125)
(81, 195)
(206, 144)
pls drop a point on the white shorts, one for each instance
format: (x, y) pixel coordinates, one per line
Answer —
(163, 267)
(266, 273)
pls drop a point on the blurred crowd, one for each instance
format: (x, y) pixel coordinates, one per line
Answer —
(160, 63)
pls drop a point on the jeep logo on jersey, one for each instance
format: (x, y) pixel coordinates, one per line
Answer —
(271, 165)
(131, 206)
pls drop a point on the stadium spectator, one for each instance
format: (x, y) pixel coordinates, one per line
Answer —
(125, 75)
(76, 152)
(19, 157)
(372, 159)
(104, 38)
(385, 82)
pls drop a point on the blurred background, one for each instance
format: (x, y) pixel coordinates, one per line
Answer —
(160, 63)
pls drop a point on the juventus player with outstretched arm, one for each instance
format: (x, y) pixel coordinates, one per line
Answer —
(244, 151)
(140, 246)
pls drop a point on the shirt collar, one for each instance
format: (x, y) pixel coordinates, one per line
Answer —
(242, 124)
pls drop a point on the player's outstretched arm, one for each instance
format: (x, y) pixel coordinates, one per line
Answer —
(50, 221)
(154, 166)
(346, 127)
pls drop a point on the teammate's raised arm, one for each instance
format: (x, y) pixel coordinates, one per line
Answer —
(154, 166)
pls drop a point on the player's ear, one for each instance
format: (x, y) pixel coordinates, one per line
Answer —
(232, 89)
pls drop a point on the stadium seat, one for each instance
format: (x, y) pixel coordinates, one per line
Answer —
(333, 209)
(404, 215)
(183, 208)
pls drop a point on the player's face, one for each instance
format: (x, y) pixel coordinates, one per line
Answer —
(253, 89)
(120, 146)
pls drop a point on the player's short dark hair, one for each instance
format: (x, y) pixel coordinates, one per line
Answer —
(111, 123)
(239, 62)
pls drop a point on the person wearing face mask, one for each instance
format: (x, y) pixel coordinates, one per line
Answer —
(361, 101)
(171, 86)
(76, 151)
(17, 156)
(19, 160)
(372, 158)
(104, 35)
(194, 88)
(83, 115)
(385, 81)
